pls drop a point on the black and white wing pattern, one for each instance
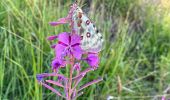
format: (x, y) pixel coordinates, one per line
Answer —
(91, 39)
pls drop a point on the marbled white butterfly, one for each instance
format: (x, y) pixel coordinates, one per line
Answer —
(91, 38)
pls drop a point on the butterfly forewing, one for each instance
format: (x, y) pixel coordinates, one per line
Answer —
(92, 39)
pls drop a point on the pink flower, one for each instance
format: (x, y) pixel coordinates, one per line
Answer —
(68, 44)
(39, 77)
(56, 64)
(92, 60)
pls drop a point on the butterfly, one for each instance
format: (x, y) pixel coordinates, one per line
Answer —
(91, 39)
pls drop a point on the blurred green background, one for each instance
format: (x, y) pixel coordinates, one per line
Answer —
(135, 61)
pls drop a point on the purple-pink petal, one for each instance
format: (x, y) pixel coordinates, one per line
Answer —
(68, 44)
(60, 51)
(93, 60)
(75, 39)
(64, 37)
(77, 52)
(56, 64)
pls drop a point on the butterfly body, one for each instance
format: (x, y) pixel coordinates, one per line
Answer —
(91, 38)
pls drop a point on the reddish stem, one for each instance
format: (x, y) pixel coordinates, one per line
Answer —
(70, 79)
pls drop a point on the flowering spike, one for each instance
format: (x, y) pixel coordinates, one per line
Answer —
(83, 39)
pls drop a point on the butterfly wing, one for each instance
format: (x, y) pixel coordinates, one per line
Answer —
(92, 39)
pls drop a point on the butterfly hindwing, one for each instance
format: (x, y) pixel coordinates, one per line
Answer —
(92, 39)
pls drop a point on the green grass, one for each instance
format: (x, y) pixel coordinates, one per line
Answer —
(139, 52)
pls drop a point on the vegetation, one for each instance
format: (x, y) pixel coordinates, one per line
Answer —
(135, 61)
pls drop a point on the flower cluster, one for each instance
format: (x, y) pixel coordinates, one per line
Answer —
(68, 52)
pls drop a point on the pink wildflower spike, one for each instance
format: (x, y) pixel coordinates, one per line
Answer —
(60, 21)
(69, 50)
